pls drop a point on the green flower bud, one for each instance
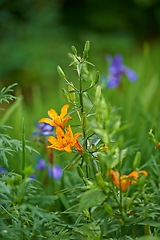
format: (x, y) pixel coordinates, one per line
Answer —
(137, 160)
(141, 181)
(86, 158)
(85, 54)
(61, 73)
(107, 208)
(80, 171)
(102, 147)
(98, 92)
(87, 46)
(86, 49)
(100, 180)
(96, 78)
(65, 94)
(83, 120)
(86, 213)
(72, 94)
(74, 50)
(93, 147)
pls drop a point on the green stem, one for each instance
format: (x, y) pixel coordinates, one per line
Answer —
(81, 100)
(121, 199)
(23, 149)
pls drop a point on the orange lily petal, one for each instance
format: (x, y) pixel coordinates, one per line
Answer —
(58, 122)
(133, 175)
(69, 133)
(68, 148)
(64, 110)
(52, 114)
(78, 146)
(144, 172)
(60, 133)
(52, 140)
(46, 120)
(64, 121)
(125, 183)
(75, 138)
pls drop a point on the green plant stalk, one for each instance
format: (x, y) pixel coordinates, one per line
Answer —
(82, 110)
(81, 99)
(23, 149)
(121, 198)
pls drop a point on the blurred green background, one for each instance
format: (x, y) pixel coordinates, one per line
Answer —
(36, 36)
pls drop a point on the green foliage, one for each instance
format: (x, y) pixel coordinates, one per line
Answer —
(24, 209)
(4, 94)
(95, 199)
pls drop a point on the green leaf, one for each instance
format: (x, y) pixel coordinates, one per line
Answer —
(148, 238)
(150, 223)
(91, 198)
(91, 231)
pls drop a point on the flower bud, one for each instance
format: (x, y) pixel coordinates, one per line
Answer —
(107, 208)
(141, 181)
(85, 54)
(74, 50)
(100, 180)
(86, 49)
(96, 78)
(102, 147)
(87, 46)
(61, 73)
(65, 94)
(83, 120)
(137, 160)
(98, 92)
(80, 171)
(86, 213)
(72, 94)
(93, 147)
(86, 158)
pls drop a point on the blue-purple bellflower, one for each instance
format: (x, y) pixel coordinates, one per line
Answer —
(116, 71)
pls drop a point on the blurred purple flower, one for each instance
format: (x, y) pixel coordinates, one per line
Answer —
(33, 176)
(117, 70)
(43, 129)
(55, 171)
(41, 164)
(2, 170)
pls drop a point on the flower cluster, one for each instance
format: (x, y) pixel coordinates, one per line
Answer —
(123, 182)
(65, 140)
(54, 171)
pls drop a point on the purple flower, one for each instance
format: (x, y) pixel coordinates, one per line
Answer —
(33, 176)
(55, 171)
(2, 170)
(41, 164)
(43, 129)
(117, 70)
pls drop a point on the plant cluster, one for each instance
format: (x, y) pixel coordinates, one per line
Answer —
(108, 201)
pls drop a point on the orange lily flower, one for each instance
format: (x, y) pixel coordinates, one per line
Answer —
(124, 180)
(57, 120)
(65, 142)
